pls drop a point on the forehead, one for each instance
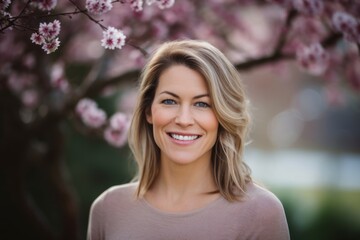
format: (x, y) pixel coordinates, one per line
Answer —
(179, 78)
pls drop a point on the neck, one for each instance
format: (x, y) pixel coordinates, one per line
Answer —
(183, 187)
(177, 181)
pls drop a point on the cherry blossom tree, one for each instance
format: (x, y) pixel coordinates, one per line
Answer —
(42, 40)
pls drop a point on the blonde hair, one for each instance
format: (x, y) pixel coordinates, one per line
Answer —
(228, 102)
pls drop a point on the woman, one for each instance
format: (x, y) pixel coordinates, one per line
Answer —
(187, 135)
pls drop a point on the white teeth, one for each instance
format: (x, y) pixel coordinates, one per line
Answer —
(183, 138)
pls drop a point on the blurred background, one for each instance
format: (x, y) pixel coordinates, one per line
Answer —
(302, 76)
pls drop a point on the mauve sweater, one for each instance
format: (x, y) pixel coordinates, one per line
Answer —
(117, 214)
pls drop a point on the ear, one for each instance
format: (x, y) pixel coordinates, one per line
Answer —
(149, 116)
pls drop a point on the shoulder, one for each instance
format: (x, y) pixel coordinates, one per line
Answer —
(111, 201)
(119, 194)
(261, 196)
(268, 213)
(257, 202)
(264, 204)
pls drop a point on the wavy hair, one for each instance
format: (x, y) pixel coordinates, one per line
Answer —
(228, 102)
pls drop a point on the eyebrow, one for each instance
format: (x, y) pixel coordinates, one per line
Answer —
(176, 96)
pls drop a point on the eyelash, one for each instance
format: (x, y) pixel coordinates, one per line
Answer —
(197, 104)
(168, 102)
(202, 104)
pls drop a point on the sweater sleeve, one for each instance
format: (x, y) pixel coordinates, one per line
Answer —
(96, 220)
(271, 219)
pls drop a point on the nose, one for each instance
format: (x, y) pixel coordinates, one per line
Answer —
(184, 116)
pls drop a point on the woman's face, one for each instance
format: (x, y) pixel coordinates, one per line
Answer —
(184, 124)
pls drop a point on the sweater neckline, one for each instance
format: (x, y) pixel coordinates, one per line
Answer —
(158, 211)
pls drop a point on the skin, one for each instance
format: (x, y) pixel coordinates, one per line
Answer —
(185, 129)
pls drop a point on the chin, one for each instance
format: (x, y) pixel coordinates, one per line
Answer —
(185, 159)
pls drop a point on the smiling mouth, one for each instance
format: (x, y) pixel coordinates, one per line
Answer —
(184, 137)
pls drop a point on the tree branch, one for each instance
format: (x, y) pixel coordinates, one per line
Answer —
(277, 56)
(88, 15)
(285, 29)
(13, 20)
(273, 58)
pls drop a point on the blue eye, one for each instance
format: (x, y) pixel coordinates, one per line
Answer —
(202, 105)
(168, 102)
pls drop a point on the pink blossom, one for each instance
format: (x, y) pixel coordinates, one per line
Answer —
(37, 39)
(347, 25)
(90, 114)
(162, 4)
(45, 5)
(51, 46)
(47, 36)
(84, 104)
(113, 38)
(49, 30)
(115, 137)
(94, 117)
(118, 121)
(116, 133)
(313, 58)
(309, 7)
(137, 5)
(98, 7)
(149, 2)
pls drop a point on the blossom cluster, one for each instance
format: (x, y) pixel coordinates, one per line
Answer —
(92, 116)
(98, 7)
(137, 5)
(47, 36)
(162, 4)
(313, 58)
(347, 25)
(113, 38)
(44, 5)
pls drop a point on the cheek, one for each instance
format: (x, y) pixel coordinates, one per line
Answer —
(211, 123)
(159, 117)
